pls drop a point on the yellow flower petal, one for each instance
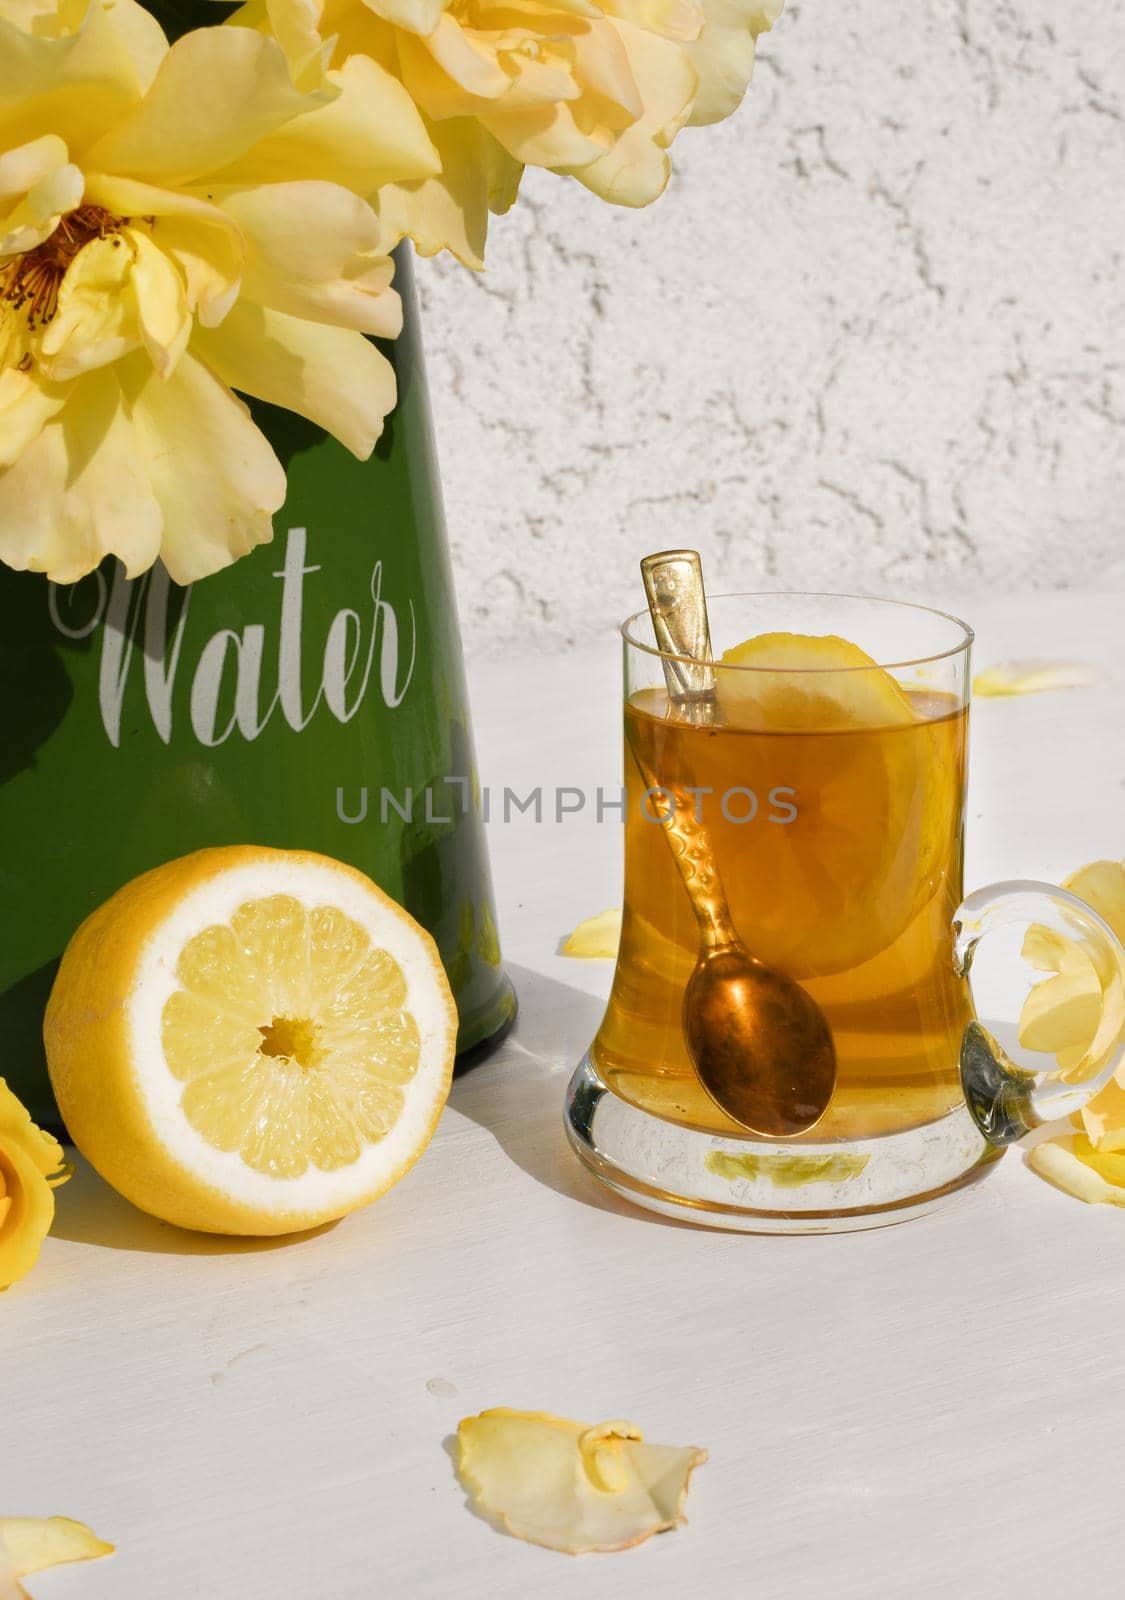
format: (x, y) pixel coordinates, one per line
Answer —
(212, 471)
(571, 1487)
(333, 376)
(1032, 677)
(1103, 1118)
(26, 406)
(79, 492)
(41, 210)
(22, 167)
(450, 211)
(635, 171)
(143, 35)
(413, 16)
(30, 1163)
(295, 24)
(163, 314)
(550, 136)
(238, 87)
(36, 1543)
(467, 69)
(1065, 1010)
(73, 86)
(205, 243)
(371, 134)
(96, 322)
(597, 937)
(1071, 1163)
(723, 55)
(315, 250)
(1102, 885)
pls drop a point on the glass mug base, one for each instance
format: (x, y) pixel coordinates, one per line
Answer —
(753, 1185)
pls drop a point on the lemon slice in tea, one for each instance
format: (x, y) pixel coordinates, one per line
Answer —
(872, 786)
(251, 1041)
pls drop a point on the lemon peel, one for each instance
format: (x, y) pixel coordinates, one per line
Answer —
(1010, 678)
(573, 1487)
(31, 1544)
(595, 938)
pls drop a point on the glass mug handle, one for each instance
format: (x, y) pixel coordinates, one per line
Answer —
(1005, 1100)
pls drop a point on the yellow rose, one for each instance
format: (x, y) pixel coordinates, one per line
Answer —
(31, 1168)
(596, 91)
(177, 224)
(1079, 1015)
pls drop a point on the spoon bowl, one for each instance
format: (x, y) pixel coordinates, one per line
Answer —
(759, 1043)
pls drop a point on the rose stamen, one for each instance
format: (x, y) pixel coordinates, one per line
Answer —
(30, 282)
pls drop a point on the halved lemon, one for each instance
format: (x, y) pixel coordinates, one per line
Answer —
(251, 1041)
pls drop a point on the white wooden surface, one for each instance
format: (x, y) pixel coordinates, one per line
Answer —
(930, 1410)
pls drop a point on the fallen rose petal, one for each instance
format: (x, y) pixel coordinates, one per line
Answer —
(597, 938)
(1102, 885)
(10, 1589)
(570, 1487)
(1065, 1010)
(1072, 1164)
(1032, 677)
(34, 1543)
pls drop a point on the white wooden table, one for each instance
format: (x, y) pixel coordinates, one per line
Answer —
(930, 1410)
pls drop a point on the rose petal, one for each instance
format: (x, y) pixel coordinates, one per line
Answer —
(204, 242)
(35, 1543)
(723, 55)
(635, 171)
(597, 938)
(371, 133)
(1102, 885)
(238, 85)
(10, 1588)
(315, 250)
(450, 211)
(1065, 1010)
(333, 376)
(572, 1487)
(212, 471)
(1103, 1118)
(1032, 677)
(79, 493)
(26, 406)
(1071, 1163)
(31, 1167)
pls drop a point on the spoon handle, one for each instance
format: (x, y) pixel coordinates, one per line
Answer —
(681, 816)
(677, 603)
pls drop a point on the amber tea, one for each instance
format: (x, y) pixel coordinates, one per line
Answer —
(832, 803)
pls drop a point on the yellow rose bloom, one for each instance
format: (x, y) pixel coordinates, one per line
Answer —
(1079, 1015)
(593, 89)
(31, 1168)
(178, 223)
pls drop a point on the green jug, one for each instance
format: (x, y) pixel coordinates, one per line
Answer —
(310, 696)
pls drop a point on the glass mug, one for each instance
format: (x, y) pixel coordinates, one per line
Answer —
(831, 799)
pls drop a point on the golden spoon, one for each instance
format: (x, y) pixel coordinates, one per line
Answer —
(760, 1045)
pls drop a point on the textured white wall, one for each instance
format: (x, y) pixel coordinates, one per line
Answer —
(872, 337)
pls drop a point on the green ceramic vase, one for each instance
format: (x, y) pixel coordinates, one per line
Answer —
(310, 696)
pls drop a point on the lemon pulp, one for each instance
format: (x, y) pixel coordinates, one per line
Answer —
(290, 1034)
